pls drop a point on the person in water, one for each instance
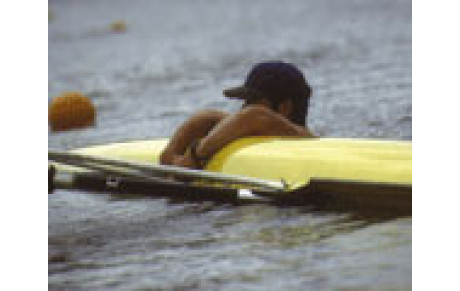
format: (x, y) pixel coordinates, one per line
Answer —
(276, 98)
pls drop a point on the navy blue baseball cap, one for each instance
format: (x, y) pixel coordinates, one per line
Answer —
(274, 80)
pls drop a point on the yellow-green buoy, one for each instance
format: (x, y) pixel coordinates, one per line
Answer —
(118, 26)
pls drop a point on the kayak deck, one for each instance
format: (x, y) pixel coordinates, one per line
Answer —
(294, 160)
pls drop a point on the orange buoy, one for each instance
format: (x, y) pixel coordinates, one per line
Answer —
(71, 110)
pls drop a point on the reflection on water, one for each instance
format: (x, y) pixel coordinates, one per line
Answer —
(174, 58)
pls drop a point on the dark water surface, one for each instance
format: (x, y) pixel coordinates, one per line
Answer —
(175, 58)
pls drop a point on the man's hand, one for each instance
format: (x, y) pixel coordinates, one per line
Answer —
(185, 160)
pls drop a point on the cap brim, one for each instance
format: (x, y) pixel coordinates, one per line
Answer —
(238, 92)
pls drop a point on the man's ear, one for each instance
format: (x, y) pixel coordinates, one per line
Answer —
(285, 108)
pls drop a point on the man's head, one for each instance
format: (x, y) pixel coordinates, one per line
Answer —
(281, 84)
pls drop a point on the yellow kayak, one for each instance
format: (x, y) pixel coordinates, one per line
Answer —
(371, 176)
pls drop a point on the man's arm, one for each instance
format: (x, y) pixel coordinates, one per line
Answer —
(253, 120)
(195, 127)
